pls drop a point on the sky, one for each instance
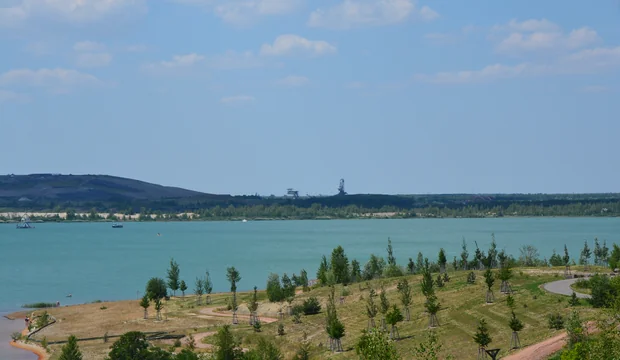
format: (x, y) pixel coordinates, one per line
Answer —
(257, 96)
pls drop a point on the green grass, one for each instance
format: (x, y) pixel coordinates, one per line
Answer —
(462, 305)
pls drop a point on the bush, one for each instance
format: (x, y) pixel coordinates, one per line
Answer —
(257, 326)
(39, 305)
(177, 343)
(582, 284)
(43, 320)
(156, 288)
(471, 278)
(297, 309)
(312, 306)
(16, 336)
(281, 329)
(556, 321)
(375, 345)
(603, 293)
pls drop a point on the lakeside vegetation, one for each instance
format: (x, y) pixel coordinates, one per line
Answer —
(432, 308)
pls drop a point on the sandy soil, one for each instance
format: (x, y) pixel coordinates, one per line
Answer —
(212, 312)
(37, 350)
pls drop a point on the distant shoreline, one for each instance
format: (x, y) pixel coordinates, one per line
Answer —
(51, 219)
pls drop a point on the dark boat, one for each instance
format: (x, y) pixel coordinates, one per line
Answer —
(117, 225)
(25, 223)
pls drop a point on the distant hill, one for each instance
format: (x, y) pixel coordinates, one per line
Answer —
(44, 192)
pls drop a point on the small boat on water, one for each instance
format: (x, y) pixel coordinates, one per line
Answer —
(25, 223)
(117, 225)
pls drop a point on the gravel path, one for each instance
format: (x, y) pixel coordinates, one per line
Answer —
(562, 287)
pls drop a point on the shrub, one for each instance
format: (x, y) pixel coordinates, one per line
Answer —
(156, 288)
(43, 320)
(582, 284)
(177, 343)
(603, 293)
(281, 329)
(257, 326)
(39, 305)
(471, 278)
(574, 300)
(16, 336)
(375, 345)
(311, 306)
(556, 321)
(297, 309)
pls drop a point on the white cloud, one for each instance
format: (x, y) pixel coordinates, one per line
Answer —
(55, 80)
(91, 54)
(538, 35)
(357, 13)
(294, 81)
(488, 73)
(532, 25)
(93, 59)
(595, 89)
(239, 99)
(88, 46)
(245, 12)
(177, 62)
(291, 44)
(590, 61)
(10, 96)
(73, 11)
(427, 13)
(518, 42)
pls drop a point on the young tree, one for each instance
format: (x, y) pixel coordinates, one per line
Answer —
(432, 306)
(384, 305)
(614, 258)
(356, 271)
(566, 257)
(528, 255)
(375, 345)
(274, 289)
(199, 290)
(427, 284)
(233, 276)
(502, 258)
(208, 286)
(464, 255)
(335, 328)
(71, 350)
(393, 318)
(439, 281)
(574, 300)
(405, 296)
(442, 260)
(505, 274)
(173, 276)
(597, 252)
(321, 273)
(419, 263)
(479, 257)
(489, 279)
(390, 258)
(303, 279)
(515, 325)
(253, 307)
(429, 348)
(288, 289)
(584, 259)
(340, 266)
(371, 308)
(482, 338)
(411, 266)
(455, 264)
(604, 254)
(227, 346)
(158, 307)
(492, 254)
(183, 287)
(145, 303)
(130, 346)
(556, 259)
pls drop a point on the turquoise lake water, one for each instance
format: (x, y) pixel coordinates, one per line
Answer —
(93, 261)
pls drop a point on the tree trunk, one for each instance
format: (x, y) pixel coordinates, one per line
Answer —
(515, 343)
(146, 314)
(371, 323)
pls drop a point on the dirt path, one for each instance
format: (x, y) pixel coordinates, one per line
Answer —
(212, 312)
(546, 348)
(542, 350)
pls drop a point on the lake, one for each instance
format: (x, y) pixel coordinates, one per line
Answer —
(93, 261)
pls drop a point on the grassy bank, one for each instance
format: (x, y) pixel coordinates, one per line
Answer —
(462, 305)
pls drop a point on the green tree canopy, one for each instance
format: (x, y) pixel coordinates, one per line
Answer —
(156, 288)
(70, 351)
(173, 276)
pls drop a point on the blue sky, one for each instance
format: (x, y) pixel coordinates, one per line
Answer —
(245, 96)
